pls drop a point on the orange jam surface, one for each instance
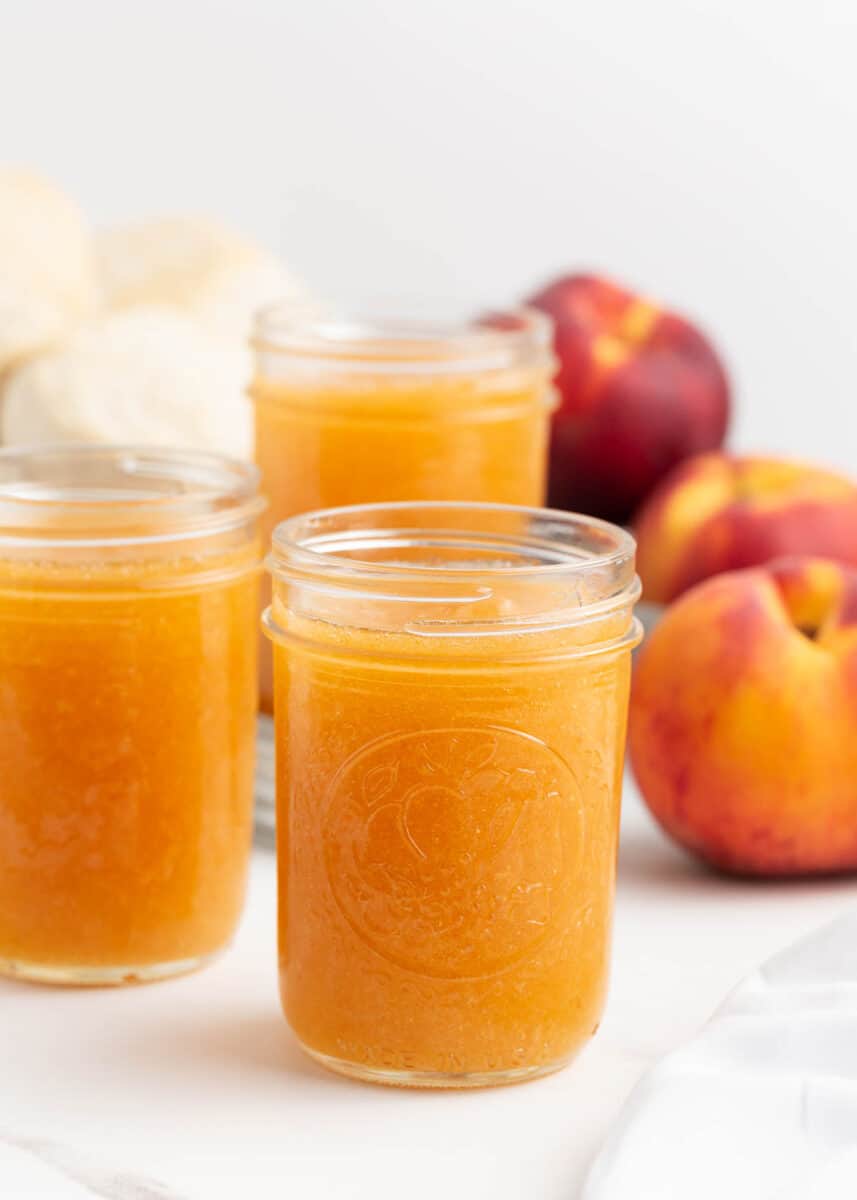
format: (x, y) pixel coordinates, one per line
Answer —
(360, 438)
(448, 816)
(127, 696)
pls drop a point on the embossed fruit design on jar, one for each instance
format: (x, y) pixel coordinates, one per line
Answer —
(451, 686)
(484, 821)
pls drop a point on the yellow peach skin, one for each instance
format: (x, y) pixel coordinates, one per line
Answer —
(743, 719)
(716, 512)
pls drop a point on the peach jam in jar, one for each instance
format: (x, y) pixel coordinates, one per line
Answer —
(351, 413)
(451, 688)
(128, 633)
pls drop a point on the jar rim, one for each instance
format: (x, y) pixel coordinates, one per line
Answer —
(493, 341)
(450, 569)
(460, 554)
(91, 494)
(301, 539)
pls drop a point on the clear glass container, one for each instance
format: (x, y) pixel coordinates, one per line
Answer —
(350, 412)
(451, 689)
(128, 610)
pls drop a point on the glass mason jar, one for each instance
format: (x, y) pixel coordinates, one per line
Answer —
(353, 413)
(128, 611)
(451, 688)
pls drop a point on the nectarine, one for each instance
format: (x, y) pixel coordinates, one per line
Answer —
(743, 719)
(640, 389)
(716, 512)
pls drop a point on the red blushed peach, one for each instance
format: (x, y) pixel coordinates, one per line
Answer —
(717, 512)
(640, 389)
(743, 723)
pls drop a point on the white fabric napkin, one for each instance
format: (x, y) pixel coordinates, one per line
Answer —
(35, 1167)
(762, 1103)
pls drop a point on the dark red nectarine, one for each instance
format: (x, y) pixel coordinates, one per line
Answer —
(640, 389)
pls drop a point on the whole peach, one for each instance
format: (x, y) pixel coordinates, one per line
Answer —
(743, 723)
(640, 389)
(716, 512)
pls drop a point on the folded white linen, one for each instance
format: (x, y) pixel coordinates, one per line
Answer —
(762, 1103)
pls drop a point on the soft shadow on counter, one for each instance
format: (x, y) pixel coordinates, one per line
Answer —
(649, 861)
(225, 1044)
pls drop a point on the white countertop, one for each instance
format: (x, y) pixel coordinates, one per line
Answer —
(194, 1089)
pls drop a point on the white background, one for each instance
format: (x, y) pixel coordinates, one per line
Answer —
(450, 153)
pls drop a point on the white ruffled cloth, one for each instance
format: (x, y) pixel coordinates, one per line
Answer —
(762, 1103)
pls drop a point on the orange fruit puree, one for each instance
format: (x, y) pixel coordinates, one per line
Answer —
(360, 438)
(127, 697)
(448, 817)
